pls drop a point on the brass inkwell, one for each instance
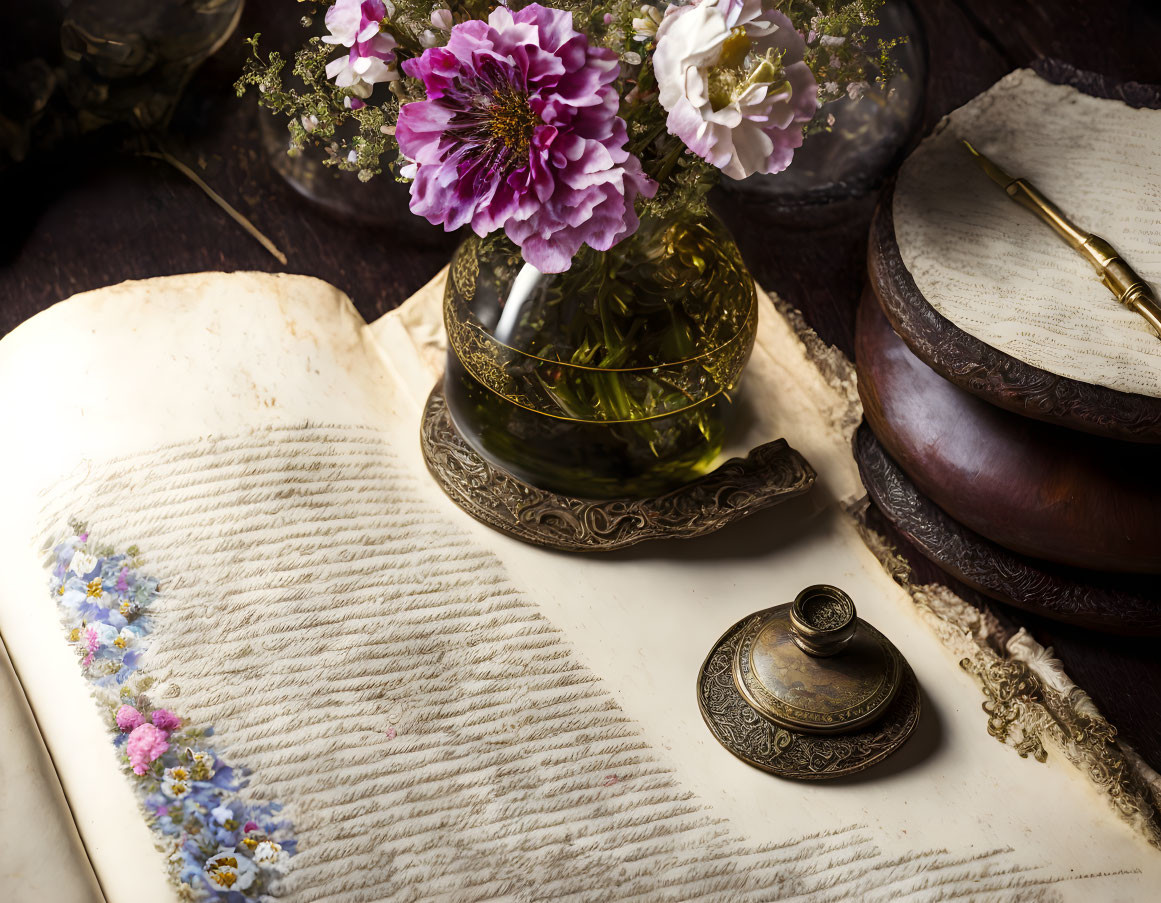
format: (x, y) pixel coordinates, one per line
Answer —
(808, 690)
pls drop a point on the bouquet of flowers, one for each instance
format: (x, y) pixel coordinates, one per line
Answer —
(561, 125)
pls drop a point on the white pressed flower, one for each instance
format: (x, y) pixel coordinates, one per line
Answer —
(82, 563)
(176, 782)
(201, 765)
(269, 854)
(229, 870)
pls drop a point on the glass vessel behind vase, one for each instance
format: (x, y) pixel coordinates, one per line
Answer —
(612, 379)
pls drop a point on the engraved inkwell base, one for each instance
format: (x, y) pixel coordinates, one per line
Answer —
(808, 690)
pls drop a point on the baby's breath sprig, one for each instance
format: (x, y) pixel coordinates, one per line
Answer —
(356, 139)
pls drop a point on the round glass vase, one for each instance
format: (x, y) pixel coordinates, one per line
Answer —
(612, 379)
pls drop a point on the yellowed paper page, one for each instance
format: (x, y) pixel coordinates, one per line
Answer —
(34, 815)
(444, 713)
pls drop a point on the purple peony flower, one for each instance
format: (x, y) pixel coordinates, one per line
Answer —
(734, 82)
(520, 132)
(356, 24)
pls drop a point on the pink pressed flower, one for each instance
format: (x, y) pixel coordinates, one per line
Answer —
(146, 743)
(92, 644)
(162, 811)
(128, 718)
(520, 132)
(165, 720)
(250, 826)
(123, 581)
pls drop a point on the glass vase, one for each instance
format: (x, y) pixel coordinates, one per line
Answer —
(612, 379)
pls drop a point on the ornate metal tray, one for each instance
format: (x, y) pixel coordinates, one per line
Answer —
(769, 474)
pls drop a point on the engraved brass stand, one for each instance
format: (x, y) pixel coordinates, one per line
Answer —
(808, 690)
(770, 474)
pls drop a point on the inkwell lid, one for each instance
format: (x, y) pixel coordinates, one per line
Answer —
(814, 666)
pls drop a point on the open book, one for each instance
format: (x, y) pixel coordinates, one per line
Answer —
(263, 655)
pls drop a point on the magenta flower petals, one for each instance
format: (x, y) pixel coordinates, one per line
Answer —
(128, 718)
(520, 132)
(147, 743)
(165, 720)
(356, 24)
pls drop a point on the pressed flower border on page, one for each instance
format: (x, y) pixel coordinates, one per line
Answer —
(218, 846)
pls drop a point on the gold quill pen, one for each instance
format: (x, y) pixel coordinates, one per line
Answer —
(1118, 277)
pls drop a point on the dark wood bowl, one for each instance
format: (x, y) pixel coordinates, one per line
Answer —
(1038, 489)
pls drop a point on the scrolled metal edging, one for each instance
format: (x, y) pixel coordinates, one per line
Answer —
(985, 371)
(768, 475)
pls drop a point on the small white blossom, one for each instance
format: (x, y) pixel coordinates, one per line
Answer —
(83, 563)
(269, 854)
(645, 25)
(830, 40)
(228, 870)
(176, 783)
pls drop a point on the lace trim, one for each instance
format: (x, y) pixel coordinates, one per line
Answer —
(1030, 702)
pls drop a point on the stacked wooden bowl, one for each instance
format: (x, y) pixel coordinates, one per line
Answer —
(1037, 490)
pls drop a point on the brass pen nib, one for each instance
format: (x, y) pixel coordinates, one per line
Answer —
(994, 172)
(1116, 275)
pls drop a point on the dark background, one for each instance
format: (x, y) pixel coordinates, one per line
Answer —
(90, 213)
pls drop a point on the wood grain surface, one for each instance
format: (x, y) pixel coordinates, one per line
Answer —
(92, 214)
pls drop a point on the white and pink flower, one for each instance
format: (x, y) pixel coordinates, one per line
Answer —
(358, 25)
(732, 78)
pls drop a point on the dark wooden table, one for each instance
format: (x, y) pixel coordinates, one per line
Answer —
(91, 214)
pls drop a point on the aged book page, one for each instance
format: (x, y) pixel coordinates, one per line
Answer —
(41, 855)
(999, 273)
(444, 713)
